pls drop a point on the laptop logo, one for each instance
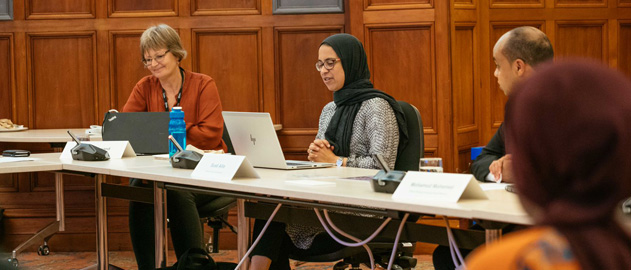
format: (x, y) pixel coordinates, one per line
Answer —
(253, 140)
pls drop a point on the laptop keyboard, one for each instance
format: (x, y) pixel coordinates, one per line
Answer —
(303, 164)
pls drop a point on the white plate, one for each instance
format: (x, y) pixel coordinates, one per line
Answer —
(16, 128)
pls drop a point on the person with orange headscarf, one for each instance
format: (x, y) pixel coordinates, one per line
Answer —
(568, 128)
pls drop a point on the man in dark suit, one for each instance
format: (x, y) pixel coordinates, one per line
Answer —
(516, 54)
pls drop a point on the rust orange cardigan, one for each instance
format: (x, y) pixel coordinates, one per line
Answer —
(200, 103)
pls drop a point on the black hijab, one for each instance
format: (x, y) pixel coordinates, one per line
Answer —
(357, 89)
(569, 130)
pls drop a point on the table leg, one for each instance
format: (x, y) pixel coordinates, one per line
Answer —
(492, 235)
(102, 262)
(59, 225)
(243, 233)
(159, 214)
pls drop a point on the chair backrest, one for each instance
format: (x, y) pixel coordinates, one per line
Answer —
(226, 139)
(409, 157)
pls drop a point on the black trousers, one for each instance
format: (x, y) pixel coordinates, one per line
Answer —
(184, 223)
(277, 245)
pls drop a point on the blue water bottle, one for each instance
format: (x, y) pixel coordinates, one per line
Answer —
(177, 128)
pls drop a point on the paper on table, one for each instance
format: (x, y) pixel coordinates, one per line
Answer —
(493, 186)
(15, 159)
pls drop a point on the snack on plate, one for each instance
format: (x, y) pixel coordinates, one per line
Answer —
(6, 123)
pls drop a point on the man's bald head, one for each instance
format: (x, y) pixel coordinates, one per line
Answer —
(526, 43)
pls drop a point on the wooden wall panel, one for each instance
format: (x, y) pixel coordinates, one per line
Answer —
(210, 7)
(517, 3)
(418, 86)
(57, 9)
(62, 83)
(466, 92)
(142, 8)
(624, 48)
(8, 183)
(233, 59)
(297, 52)
(581, 39)
(397, 4)
(580, 3)
(463, 77)
(126, 68)
(6, 76)
(624, 3)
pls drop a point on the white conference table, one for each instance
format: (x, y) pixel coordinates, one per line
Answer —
(501, 206)
(56, 138)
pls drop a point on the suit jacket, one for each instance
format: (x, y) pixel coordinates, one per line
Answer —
(494, 150)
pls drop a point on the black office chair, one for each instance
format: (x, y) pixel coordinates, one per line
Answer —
(407, 160)
(215, 213)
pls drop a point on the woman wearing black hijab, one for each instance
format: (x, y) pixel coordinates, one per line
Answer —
(360, 122)
(569, 130)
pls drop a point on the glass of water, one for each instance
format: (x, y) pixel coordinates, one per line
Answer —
(431, 165)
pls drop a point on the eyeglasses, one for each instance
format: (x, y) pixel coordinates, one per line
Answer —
(328, 63)
(157, 58)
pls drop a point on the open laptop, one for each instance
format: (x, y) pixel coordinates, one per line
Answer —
(147, 132)
(253, 135)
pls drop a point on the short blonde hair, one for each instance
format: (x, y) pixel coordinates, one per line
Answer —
(160, 37)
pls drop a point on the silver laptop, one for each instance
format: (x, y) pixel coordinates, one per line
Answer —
(253, 135)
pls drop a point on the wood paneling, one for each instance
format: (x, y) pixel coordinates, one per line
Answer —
(581, 39)
(464, 88)
(396, 4)
(418, 86)
(233, 59)
(6, 76)
(126, 68)
(465, 4)
(8, 183)
(624, 48)
(580, 3)
(297, 52)
(216, 7)
(517, 3)
(142, 8)
(624, 3)
(62, 65)
(59, 9)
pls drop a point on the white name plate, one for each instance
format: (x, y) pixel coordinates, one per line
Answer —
(442, 187)
(223, 168)
(116, 149)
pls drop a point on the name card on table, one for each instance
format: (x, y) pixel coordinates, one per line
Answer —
(223, 168)
(116, 149)
(443, 187)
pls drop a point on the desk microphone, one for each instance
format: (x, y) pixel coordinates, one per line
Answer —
(386, 180)
(87, 152)
(184, 159)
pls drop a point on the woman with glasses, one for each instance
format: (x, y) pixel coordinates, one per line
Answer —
(168, 86)
(360, 121)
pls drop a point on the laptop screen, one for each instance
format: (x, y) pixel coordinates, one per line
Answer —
(147, 132)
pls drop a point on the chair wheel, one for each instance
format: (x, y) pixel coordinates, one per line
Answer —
(340, 265)
(406, 262)
(396, 267)
(14, 262)
(209, 247)
(43, 250)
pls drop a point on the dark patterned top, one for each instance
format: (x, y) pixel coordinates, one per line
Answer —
(375, 131)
